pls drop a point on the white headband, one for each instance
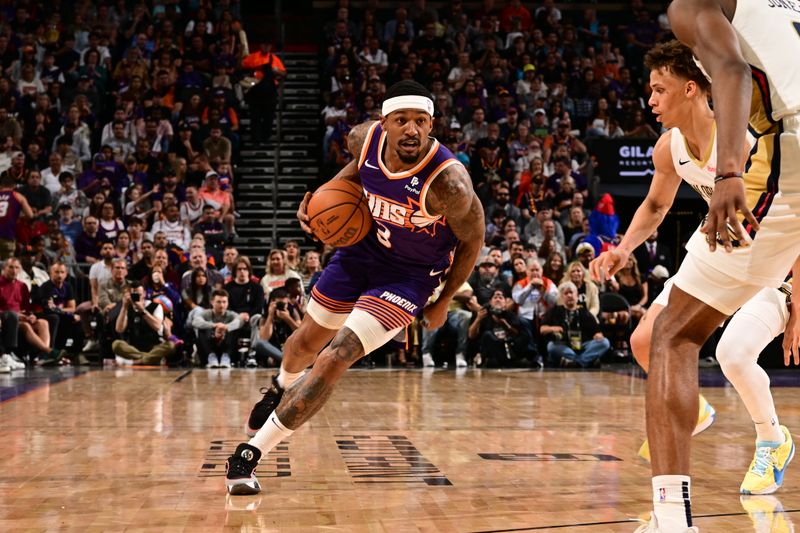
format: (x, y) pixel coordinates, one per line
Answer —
(410, 101)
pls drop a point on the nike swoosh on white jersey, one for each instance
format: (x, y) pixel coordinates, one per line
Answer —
(366, 162)
(436, 273)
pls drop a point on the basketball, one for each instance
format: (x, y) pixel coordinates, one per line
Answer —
(339, 214)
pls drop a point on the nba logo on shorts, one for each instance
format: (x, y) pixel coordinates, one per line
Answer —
(662, 494)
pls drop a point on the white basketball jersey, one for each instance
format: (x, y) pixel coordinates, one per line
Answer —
(769, 35)
(698, 174)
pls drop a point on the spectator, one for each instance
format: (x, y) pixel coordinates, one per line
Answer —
(72, 228)
(575, 335)
(310, 266)
(277, 272)
(274, 328)
(292, 249)
(197, 297)
(140, 323)
(587, 292)
(109, 292)
(262, 98)
(110, 226)
(68, 194)
(229, 255)
(631, 287)
(653, 253)
(37, 195)
(56, 296)
(502, 341)
(554, 266)
(215, 326)
(220, 200)
(15, 304)
(211, 228)
(534, 295)
(216, 146)
(245, 296)
(172, 226)
(51, 174)
(192, 208)
(199, 259)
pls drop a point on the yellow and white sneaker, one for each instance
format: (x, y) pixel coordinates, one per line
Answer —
(652, 527)
(766, 471)
(767, 514)
(705, 418)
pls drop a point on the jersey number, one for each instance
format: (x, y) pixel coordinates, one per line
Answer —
(3, 208)
(384, 234)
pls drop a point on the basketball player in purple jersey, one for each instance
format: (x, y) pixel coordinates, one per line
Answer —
(427, 218)
(12, 204)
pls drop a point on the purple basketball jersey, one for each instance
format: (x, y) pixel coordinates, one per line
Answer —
(393, 271)
(9, 212)
(404, 232)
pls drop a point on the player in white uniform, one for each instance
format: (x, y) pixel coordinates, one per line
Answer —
(750, 50)
(687, 151)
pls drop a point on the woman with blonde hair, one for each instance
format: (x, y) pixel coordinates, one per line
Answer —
(588, 293)
(277, 271)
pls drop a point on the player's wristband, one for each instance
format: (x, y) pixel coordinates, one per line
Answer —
(727, 175)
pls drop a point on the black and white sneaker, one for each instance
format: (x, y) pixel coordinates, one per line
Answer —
(264, 407)
(240, 471)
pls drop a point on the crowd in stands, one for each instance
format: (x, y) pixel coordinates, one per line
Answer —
(520, 88)
(119, 134)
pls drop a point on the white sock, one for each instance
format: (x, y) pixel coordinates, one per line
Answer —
(769, 431)
(738, 357)
(285, 379)
(672, 502)
(270, 435)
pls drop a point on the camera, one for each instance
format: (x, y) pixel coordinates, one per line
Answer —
(495, 312)
(280, 306)
(135, 296)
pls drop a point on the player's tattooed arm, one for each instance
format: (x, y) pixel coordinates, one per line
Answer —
(451, 194)
(307, 396)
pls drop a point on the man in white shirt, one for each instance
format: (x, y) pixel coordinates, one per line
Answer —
(50, 174)
(373, 55)
(172, 226)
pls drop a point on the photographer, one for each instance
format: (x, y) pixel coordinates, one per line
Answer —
(141, 324)
(503, 343)
(280, 320)
(575, 334)
(216, 340)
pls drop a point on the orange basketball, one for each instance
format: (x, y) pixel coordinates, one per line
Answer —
(339, 213)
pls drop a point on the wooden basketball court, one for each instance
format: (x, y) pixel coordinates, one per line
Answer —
(394, 451)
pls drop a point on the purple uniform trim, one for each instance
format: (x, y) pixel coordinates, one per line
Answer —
(10, 208)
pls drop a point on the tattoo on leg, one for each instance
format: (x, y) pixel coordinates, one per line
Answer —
(307, 395)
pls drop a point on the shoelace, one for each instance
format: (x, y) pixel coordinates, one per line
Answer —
(764, 460)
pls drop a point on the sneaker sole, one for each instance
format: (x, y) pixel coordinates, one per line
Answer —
(242, 487)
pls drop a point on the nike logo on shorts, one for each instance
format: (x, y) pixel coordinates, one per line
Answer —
(366, 162)
(434, 274)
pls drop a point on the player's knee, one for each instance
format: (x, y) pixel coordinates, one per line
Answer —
(345, 349)
(640, 345)
(732, 354)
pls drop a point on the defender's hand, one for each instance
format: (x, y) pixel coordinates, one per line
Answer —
(728, 198)
(609, 263)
